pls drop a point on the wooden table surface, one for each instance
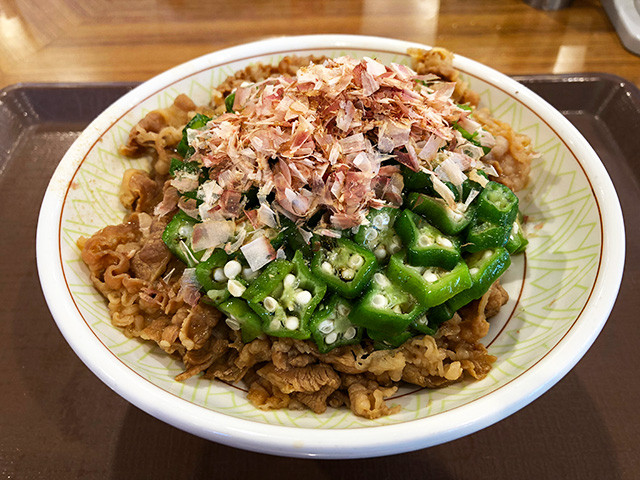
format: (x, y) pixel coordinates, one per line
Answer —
(58, 421)
(132, 40)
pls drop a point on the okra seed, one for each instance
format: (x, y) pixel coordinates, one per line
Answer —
(347, 274)
(270, 304)
(396, 244)
(425, 240)
(331, 338)
(397, 309)
(292, 323)
(218, 275)
(455, 216)
(343, 310)
(473, 271)
(516, 228)
(274, 325)
(429, 276)
(356, 261)
(326, 327)
(487, 254)
(303, 297)
(422, 320)
(249, 274)
(379, 301)
(381, 280)
(380, 252)
(349, 333)
(290, 281)
(444, 242)
(235, 288)
(327, 267)
(232, 269)
(232, 324)
(381, 221)
(371, 234)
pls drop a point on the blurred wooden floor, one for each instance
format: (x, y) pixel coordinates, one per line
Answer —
(132, 40)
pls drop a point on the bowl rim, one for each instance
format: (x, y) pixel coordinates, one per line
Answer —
(328, 443)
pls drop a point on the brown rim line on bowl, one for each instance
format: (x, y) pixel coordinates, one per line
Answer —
(460, 420)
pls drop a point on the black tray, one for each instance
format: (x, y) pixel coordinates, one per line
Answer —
(59, 421)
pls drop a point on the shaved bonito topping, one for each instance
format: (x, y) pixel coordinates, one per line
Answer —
(258, 253)
(474, 176)
(185, 182)
(211, 234)
(306, 235)
(489, 170)
(442, 189)
(169, 202)
(188, 206)
(449, 170)
(472, 196)
(267, 216)
(430, 149)
(189, 287)
(319, 139)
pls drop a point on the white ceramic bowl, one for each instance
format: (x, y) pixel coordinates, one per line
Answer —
(562, 291)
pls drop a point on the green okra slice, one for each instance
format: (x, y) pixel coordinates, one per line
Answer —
(199, 121)
(430, 285)
(205, 270)
(485, 268)
(346, 268)
(483, 235)
(241, 317)
(517, 242)
(177, 236)
(425, 244)
(379, 235)
(286, 298)
(386, 307)
(438, 213)
(330, 325)
(497, 204)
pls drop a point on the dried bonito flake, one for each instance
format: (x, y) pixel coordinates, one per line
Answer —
(319, 139)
